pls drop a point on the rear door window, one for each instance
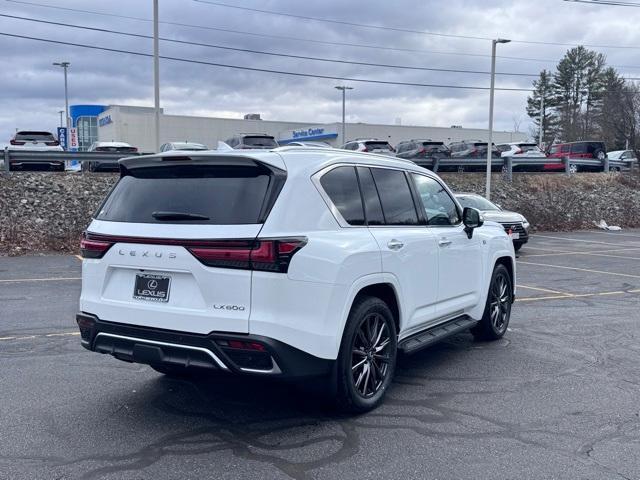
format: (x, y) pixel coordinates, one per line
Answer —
(579, 148)
(341, 185)
(397, 202)
(200, 194)
(372, 206)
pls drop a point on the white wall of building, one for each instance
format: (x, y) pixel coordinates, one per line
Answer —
(134, 125)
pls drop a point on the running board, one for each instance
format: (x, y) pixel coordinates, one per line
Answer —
(435, 334)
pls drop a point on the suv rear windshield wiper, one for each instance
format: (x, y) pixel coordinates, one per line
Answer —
(178, 216)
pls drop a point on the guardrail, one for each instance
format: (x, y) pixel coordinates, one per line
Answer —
(506, 165)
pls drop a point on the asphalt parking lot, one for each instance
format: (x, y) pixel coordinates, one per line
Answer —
(556, 398)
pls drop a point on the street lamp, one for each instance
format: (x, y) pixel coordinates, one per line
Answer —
(156, 77)
(65, 66)
(343, 88)
(491, 91)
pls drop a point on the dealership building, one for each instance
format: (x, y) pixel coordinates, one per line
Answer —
(135, 125)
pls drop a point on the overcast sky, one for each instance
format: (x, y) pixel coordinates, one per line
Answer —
(32, 92)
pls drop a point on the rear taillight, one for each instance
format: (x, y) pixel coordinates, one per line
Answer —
(269, 255)
(17, 142)
(55, 143)
(92, 248)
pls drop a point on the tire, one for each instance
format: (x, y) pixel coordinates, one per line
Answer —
(599, 154)
(517, 246)
(494, 323)
(573, 168)
(365, 368)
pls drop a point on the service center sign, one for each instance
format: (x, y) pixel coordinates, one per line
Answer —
(308, 132)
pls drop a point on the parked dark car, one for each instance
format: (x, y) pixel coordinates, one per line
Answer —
(472, 149)
(583, 149)
(252, 141)
(422, 152)
(103, 165)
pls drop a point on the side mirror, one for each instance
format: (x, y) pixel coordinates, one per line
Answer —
(472, 218)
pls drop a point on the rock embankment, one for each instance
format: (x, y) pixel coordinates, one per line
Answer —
(47, 212)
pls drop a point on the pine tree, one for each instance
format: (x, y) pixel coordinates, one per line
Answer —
(577, 88)
(542, 89)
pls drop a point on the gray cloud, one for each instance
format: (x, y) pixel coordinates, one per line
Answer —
(32, 90)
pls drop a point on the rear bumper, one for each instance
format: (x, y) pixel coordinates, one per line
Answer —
(28, 165)
(215, 351)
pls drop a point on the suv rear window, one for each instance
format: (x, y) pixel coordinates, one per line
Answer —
(257, 141)
(378, 146)
(221, 194)
(435, 147)
(528, 147)
(35, 137)
(117, 149)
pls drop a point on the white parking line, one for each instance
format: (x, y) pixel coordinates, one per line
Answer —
(579, 269)
(599, 253)
(578, 295)
(30, 337)
(542, 289)
(50, 279)
(566, 239)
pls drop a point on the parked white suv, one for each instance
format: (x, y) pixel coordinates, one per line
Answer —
(289, 263)
(372, 145)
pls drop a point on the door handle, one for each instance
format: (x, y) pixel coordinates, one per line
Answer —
(443, 242)
(395, 244)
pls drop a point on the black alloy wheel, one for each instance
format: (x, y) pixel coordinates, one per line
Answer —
(370, 355)
(497, 311)
(367, 358)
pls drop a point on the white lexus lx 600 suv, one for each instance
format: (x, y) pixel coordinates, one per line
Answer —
(290, 263)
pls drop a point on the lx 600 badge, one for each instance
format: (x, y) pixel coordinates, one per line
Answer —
(238, 308)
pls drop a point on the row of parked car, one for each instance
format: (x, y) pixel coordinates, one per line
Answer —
(426, 150)
(420, 151)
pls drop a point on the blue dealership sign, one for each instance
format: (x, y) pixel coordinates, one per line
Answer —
(62, 137)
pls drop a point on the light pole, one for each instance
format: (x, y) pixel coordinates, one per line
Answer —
(156, 76)
(65, 66)
(344, 88)
(541, 126)
(491, 91)
(61, 112)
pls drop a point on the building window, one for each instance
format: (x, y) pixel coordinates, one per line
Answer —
(87, 132)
